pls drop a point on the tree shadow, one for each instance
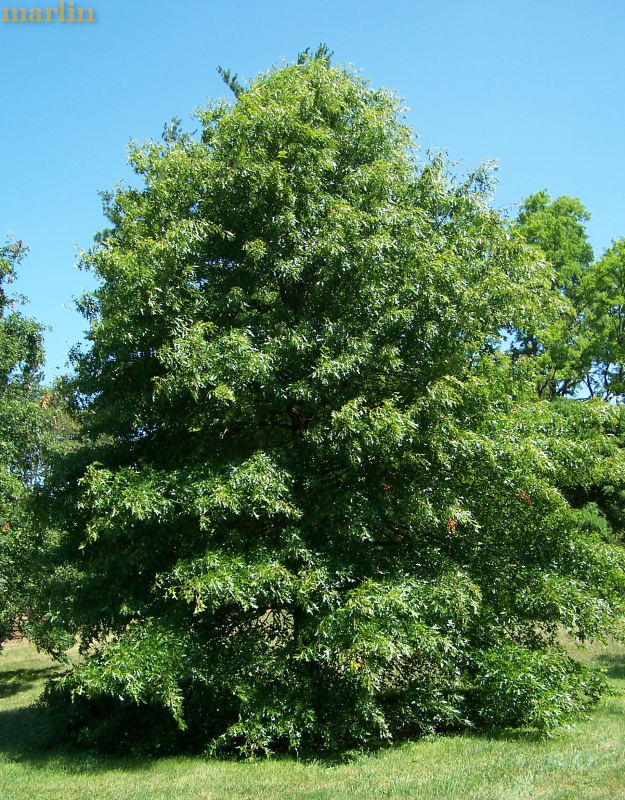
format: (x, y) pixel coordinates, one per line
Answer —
(505, 734)
(27, 733)
(613, 664)
(25, 736)
(21, 730)
(20, 680)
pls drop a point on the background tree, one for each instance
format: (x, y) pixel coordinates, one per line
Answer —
(581, 353)
(602, 299)
(557, 228)
(315, 502)
(559, 346)
(23, 402)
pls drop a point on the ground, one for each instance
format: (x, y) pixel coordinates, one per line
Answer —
(584, 762)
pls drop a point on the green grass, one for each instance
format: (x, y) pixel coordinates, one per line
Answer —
(586, 761)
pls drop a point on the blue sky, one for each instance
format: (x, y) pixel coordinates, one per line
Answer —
(540, 86)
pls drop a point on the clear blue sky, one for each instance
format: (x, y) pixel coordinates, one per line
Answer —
(540, 86)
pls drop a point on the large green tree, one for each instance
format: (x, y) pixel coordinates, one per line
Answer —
(317, 503)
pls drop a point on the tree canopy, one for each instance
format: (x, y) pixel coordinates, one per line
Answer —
(316, 501)
(580, 351)
(558, 228)
(603, 309)
(558, 344)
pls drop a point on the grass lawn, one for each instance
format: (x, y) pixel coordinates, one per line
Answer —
(587, 761)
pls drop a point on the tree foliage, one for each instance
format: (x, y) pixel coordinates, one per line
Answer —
(580, 353)
(582, 350)
(558, 345)
(316, 503)
(23, 403)
(558, 228)
(603, 296)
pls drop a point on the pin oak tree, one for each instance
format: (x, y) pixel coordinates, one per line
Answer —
(317, 503)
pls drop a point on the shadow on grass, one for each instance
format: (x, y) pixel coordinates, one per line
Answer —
(507, 734)
(21, 731)
(26, 736)
(20, 680)
(613, 664)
